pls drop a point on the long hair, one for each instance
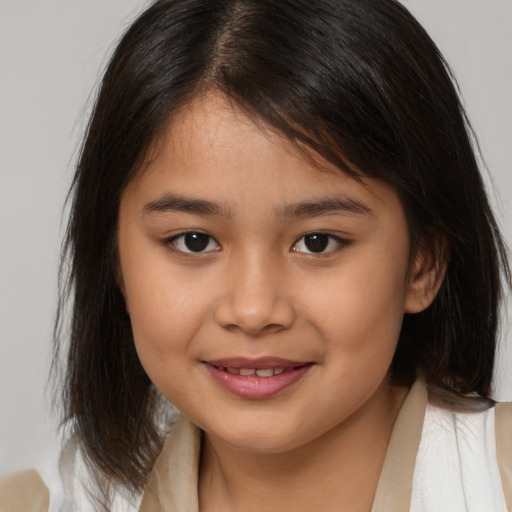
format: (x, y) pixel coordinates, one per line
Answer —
(360, 83)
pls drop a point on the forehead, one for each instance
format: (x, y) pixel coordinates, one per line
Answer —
(212, 149)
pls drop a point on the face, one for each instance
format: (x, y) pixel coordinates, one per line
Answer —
(265, 295)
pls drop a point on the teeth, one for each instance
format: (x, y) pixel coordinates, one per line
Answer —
(260, 372)
(264, 372)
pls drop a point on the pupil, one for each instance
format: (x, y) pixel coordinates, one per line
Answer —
(196, 242)
(316, 242)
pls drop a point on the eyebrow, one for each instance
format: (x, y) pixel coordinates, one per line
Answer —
(176, 203)
(327, 206)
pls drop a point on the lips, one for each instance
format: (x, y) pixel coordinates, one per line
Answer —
(256, 378)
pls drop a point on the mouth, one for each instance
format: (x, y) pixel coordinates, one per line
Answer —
(257, 378)
(263, 373)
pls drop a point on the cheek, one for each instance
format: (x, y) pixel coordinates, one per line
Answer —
(161, 312)
(361, 306)
(164, 328)
(166, 312)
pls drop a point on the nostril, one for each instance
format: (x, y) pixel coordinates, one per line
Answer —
(255, 313)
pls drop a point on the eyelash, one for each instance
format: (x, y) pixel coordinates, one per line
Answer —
(204, 239)
(326, 237)
(180, 238)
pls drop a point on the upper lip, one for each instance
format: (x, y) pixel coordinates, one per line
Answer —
(260, 362)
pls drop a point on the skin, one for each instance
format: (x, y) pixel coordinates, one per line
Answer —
(257, 291)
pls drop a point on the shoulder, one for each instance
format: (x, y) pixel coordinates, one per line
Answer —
(24, 492)
(459, 460)
(67, 490)
(504, 447)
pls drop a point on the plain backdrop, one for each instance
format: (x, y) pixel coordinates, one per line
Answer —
(51, 54)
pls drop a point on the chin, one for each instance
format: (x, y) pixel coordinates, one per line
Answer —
(260, 444)
(275, 436)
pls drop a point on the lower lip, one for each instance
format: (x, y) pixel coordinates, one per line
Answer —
(255, 387)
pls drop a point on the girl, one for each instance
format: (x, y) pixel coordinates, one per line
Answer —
(278, 226)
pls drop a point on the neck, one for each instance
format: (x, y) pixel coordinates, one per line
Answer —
(337, 471)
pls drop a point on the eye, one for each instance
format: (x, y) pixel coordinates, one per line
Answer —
(193, 242)
(318, 243)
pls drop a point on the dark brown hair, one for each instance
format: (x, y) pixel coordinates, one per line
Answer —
(358, 81)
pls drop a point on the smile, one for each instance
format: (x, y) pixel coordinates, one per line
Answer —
(258, 379)
(259, 372)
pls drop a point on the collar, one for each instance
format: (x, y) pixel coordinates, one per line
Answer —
(172, 484)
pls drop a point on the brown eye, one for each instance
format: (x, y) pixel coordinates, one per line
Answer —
(194, 242)
(318, 243)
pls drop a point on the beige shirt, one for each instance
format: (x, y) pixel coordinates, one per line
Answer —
(173, 483)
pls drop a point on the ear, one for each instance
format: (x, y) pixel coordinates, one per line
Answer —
(426, 275)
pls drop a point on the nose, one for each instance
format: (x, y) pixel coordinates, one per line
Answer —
(255, 300)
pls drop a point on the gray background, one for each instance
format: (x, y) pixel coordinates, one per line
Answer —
(50, 54)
